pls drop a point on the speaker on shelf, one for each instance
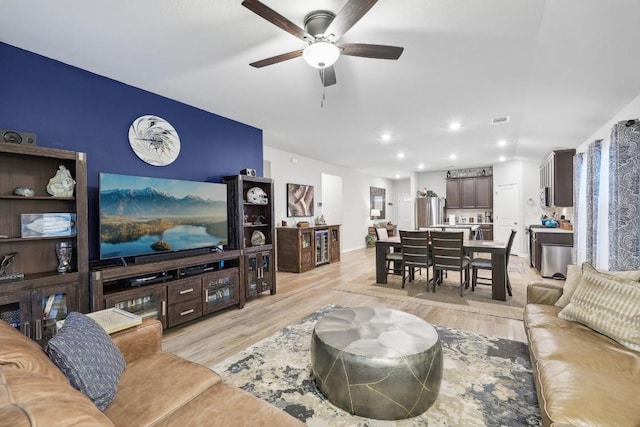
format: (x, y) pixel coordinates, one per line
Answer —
(17, 137)
(248, 172)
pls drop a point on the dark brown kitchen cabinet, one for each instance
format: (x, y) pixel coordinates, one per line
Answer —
(556, 179)
(470, 193)
(487, 231)
(454, 200)
(484, 192)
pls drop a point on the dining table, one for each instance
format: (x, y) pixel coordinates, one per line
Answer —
(497, 249)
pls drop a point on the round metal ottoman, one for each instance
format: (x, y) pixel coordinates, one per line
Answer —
(377, 362)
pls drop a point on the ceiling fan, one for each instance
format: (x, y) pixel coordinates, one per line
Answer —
(322, 30)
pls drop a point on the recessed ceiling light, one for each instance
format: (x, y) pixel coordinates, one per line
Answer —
(421, 166)
(502, 158)
(454, 126)
(502, 143)
(386, 137)
(397, 176)
(453, 157)
(401, 155)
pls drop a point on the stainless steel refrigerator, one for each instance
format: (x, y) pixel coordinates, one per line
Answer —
(429, 211)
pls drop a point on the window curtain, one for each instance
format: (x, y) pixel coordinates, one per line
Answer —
(607, 200)
(594, 164)
(580, 206)
(624, 196)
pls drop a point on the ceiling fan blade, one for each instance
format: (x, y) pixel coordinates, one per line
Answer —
(328, 76)
(276, 19)
(371, 50)
(350, 13)
(277, 58)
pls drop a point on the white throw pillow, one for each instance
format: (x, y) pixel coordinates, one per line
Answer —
(607, 304)
(574, 276)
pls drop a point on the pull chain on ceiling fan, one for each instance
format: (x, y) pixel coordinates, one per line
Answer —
(322, 30)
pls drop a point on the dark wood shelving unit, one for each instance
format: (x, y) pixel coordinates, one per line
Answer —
(35, 303)
(259, 272)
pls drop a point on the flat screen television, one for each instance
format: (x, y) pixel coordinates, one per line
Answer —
(142, 215)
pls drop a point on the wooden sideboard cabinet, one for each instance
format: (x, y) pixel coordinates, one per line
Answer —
(302, 249)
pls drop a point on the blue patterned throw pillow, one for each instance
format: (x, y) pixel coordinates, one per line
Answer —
(88, 357)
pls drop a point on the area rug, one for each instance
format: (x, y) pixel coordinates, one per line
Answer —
(447, 295)
(486, 382)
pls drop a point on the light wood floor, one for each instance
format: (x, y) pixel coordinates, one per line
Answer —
(218, 336)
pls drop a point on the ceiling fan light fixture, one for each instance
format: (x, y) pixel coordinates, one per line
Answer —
(321, 54)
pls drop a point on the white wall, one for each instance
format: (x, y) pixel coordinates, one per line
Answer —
(434, 181)
(631, 111)
(292, 168)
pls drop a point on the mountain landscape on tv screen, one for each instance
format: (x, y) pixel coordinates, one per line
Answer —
(150, 202)
(141, 221)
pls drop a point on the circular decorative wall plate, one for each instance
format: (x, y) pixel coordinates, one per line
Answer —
(154, 140)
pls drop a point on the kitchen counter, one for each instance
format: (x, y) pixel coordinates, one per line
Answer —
(548, 230)
(474, 226)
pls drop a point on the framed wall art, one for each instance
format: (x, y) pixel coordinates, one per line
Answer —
(299, 200)
(378, 201)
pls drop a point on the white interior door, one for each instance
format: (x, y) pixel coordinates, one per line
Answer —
(332, 198)
(506, 214)
(405, 212)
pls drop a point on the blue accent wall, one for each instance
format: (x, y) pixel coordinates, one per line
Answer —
(73, 109)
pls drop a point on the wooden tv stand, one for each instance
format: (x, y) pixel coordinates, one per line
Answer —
(174, 291)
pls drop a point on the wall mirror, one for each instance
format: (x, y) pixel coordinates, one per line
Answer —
(378, 201)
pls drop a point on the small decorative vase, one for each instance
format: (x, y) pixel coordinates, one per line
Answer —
(64, 251)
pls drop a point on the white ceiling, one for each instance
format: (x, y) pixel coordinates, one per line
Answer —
(560, 68)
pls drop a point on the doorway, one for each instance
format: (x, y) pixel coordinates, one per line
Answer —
(405, 212)
(507, 215)
(332, 198)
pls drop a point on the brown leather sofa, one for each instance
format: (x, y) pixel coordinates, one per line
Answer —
(156, 388)
(582, 378)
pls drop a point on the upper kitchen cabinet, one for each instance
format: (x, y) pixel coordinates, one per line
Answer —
(556, 179)
(470, 193)
(454, 200)
(484, 192)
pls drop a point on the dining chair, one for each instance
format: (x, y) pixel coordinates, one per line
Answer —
(392, 258)
(415, 253)
(485, 264)
(447, 249)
